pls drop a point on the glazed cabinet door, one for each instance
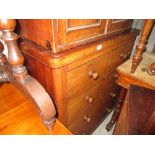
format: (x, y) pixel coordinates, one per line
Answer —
(73, 32)
(118, 25)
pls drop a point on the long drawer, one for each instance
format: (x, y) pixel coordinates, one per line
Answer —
(87, 75)
(85, 116)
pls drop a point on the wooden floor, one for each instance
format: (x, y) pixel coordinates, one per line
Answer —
(18, 115)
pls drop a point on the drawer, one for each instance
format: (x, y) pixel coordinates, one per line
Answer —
(89, 98)
(85, 116)
(119, 55)
(87, 75)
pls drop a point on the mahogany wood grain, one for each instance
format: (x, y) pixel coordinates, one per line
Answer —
(98, 66)
(121, 127)
(61, 34)
(19, 116)
(15, 72)
(118, 25)
(65, 75)
(117, 110)
(138, 112)
(87, 51)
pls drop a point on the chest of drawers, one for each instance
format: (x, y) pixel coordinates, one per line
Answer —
(79, 78)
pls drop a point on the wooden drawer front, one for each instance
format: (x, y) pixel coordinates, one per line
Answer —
(116, 25)
(83, 116)
(116, 58)
(87, 75)
(74, 31)
(119, 55)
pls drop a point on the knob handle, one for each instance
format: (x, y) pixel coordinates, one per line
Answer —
(89, 99)
(123, 56)
(151, 69)
(112, 94)
(94, 75)
(87, 119)
(116, 76)
(108, 110)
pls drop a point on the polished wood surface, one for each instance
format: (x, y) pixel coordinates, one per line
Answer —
(14, 71)
(138, 112)
(19, 116)
(118, 25)
(142, 71)
(80, 80)
(121, 127)
(117, 110)
(148, 24)
(139, 78)
(61, 34)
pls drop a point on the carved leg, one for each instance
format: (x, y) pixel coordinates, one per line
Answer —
(15, 72)
(117, 109)
(141, 45)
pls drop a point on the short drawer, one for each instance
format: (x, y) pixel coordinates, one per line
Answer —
(119, 55)
(87, 75)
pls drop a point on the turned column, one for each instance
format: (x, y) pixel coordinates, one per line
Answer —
(15, 58)
(2, 56)
(142, 44)
(117, 109)
(15, 72)
(3, 75)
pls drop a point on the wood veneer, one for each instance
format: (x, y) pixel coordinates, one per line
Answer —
(65, 75)
(61, 34)
(19, 116)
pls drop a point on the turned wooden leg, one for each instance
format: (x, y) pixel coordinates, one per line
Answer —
(3, 75)
(117, 109)
(15, 72)
(141, 45)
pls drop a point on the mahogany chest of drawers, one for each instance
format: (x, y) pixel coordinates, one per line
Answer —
(75, 60)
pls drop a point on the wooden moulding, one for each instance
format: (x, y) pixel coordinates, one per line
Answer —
(69, 56)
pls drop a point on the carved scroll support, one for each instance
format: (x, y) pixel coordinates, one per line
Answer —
(141, 45)
(15, 72)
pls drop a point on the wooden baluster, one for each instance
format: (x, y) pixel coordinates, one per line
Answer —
(141, 45)
(2, 56)
(15, 58)
(17, 74)
(117, 109)
(3, 75)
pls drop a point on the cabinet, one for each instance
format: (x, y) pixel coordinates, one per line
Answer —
(80, 79)
(118, 25)
(62, 34)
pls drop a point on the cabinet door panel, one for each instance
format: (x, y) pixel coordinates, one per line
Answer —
(116, 25)
(77, 31)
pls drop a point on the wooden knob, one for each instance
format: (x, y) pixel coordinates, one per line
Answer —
(108, 110)
(123, 56)
(112, 94)
(116, 76)
(87, 119)
(151, 69)
(89, 99)
(7, 24)
(93, 75)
